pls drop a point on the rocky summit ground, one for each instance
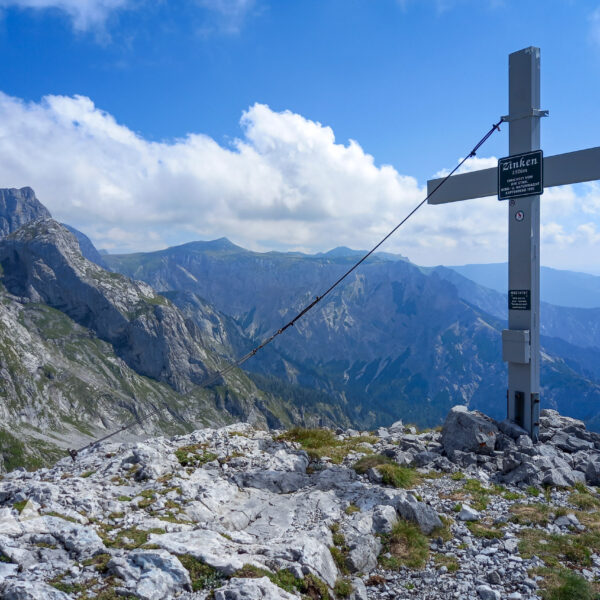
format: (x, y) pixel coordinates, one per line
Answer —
(473, 511)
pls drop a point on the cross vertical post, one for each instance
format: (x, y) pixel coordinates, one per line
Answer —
(524, 242)
(521, 341)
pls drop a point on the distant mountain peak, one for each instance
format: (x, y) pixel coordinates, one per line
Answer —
(19, 206)
(221, 244)
(342, 251)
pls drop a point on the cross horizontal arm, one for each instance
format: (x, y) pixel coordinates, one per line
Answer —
(560, 169)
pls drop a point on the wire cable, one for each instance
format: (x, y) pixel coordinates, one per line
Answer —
(219, 374)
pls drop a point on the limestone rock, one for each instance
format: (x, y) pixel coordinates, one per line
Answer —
(422, 514)
(151, 574)
(468, 514)
(18, 207)
(252, 589)
(384, 518)
(468, 431)
(487, 593)
(42, 261)
(592, 471)
(30, 590)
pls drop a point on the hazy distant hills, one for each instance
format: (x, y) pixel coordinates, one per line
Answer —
(560, 287)
(578, 326)
(394, 341)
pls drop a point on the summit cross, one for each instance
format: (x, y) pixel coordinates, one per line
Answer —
(521, 341)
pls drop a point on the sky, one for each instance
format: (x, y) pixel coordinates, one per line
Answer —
(291, 124)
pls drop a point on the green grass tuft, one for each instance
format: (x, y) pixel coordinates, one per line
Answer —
(343, 588)
(371, 461)
(563, 584)
(203, 576)
(319, 443)
(397, 476)
(407, 545)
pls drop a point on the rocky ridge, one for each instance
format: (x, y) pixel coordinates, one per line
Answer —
(392, 341)
(42, 262)
(243, 513)
(18, 207)
(84, 351)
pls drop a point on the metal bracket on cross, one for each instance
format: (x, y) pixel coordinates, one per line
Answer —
(535, 112)
(521, 341)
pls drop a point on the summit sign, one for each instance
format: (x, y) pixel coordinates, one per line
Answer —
(521, 175)
(521, 178)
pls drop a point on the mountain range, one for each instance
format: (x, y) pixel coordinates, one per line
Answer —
(84, 350)
(89, 341)
(393, 341)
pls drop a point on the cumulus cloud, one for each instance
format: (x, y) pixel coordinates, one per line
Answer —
(85, 14)
(285, 184)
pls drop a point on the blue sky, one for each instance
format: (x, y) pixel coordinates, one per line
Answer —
(147, 124)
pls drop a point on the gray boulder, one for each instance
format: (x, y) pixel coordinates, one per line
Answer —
(511, 429)
(362, 553)
(384, 518)
(468, 514)
(252, 589)
(551, 419)
(468, 431)
(418, 512)
(422, 459)
(592, 471)
(559, 477)
(485, 592)
(30, 590)
(359, 590)
(153, 462)
(570, 443)
(152, 574)
(526, 473)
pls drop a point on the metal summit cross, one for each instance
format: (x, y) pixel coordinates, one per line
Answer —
(520, 179)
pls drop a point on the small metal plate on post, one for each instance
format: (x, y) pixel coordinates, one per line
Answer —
(515, 346)
(521, 175)
(519, 299)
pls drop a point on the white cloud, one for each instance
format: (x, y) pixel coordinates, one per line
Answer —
(285, 184)
(473, 163)
(226, 16)
(231, 13)
(85, 14)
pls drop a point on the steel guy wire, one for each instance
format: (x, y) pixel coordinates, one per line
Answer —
(219, 374)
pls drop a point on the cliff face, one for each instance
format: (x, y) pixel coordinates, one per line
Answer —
(17, 207)
(41, 262)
